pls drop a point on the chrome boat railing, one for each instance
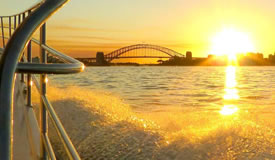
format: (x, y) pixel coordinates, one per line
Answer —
(21, 28)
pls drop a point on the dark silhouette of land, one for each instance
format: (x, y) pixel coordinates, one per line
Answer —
(248, 59)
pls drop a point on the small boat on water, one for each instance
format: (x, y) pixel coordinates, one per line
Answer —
(23, 132)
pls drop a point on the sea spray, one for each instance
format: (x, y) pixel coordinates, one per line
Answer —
(97, 121)
(102, 125)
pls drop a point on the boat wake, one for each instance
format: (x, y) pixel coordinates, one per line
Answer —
(103, 126)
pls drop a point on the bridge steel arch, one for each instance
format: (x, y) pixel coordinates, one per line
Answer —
(115, 54)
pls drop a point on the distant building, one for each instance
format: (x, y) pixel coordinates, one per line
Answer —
(255, 56)
(252, 59)
(271, 58)
(189, 56)
(260, 56)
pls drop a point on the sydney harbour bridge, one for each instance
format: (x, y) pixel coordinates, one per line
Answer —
(134, 51)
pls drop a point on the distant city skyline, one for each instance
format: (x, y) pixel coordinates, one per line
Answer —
(84, 27)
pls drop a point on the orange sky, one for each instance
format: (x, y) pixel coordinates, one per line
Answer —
(84, 27)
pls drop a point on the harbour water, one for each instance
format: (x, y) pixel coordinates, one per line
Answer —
(168, 112)
(158, 88)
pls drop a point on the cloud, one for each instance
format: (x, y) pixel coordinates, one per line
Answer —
(75, 47)
(89, 46)
(93, 37)
(84, 29)
(187, 45)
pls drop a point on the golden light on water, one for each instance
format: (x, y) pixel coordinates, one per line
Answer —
(231, 92)
(229, 110)
(230, 42)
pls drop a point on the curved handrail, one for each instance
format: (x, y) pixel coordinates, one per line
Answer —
(8, 66)
(73, 65)
(29, 9)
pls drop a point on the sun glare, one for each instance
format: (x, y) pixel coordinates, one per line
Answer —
(231, 42)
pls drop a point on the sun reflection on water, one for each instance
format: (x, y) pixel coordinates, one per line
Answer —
(231, 92)
(229, 110)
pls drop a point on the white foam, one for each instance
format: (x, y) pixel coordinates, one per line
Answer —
(101, 125)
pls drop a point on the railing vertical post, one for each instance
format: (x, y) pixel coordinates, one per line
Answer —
(29, 78)
(43, 85)
(14, 24)
(3, 33)
(24, 15)
(22, 60)
(19, 19)
(9, 27)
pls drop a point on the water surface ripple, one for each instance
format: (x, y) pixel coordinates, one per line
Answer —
(168, 112)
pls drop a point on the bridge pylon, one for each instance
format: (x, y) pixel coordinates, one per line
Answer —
(100, 59)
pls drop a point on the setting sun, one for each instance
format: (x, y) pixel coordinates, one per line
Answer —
(231, 42)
